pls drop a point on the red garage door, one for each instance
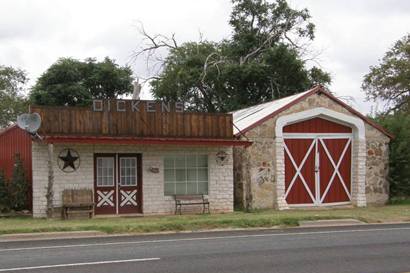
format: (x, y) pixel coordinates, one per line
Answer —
(317, 162)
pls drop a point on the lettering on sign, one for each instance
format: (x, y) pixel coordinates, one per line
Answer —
(136, 105)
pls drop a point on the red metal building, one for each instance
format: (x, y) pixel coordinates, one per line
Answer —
(16, 142)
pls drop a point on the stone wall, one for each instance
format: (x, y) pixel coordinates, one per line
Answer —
(377, 167)
(259, 160)
(220, 187)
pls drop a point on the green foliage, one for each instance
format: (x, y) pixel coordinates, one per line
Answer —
(257, 64)
(4, 194)
(390, 80)
(399, 174)
(18, 188)
(12, 103)
(73, 82)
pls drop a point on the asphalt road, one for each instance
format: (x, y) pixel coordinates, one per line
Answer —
(381, 248)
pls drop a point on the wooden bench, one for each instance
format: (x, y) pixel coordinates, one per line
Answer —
(78, 201)
(188, 200)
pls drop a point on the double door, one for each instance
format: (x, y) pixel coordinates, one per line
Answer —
(317, 169)
(117, 183)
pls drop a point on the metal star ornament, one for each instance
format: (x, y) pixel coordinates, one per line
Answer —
(69, 160)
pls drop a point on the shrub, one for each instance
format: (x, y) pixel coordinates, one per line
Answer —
(18, 188)
(4, 194)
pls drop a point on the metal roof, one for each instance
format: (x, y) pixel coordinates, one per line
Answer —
(246, 117)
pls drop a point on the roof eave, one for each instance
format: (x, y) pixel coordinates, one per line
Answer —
(145, 141)
(317, 89)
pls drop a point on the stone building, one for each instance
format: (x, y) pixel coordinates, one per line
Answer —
(309, 149)
(134, 156)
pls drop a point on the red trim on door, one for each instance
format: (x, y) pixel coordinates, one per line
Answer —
(340, 152)
(130, 197)
(316, 125)
(105, 197)
(300, 171)
(318, 170)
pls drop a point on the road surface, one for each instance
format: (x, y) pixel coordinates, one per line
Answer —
(380, 248)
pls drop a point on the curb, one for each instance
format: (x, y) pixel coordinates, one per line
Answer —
(39, 236)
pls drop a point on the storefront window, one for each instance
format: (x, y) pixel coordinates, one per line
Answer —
(186, 174)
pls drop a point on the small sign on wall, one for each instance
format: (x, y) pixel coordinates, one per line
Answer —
(68, 160)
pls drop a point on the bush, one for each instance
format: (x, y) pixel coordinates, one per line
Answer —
(399, 174)
(4, 194)
(18, 188)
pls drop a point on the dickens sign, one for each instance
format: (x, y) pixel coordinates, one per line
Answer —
(136, 106)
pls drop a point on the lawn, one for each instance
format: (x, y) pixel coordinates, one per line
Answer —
(262, 218)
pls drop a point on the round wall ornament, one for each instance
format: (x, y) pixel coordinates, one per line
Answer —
(221, 158)
(68, 160)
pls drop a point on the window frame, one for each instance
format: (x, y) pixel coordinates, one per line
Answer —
(186, 169)
(120, 167)
(112, 158)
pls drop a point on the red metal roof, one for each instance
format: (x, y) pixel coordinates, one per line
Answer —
(5, 130)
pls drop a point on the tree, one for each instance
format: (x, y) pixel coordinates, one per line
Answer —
(12, 102)
(73, 82)
(261, 61)
(390, 80)
(18, 187)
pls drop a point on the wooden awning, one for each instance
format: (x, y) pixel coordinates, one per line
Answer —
(133, 123)
(143, 141)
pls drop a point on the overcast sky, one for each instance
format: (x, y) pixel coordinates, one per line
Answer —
(350, 34)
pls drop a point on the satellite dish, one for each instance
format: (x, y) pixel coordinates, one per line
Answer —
(29, 122)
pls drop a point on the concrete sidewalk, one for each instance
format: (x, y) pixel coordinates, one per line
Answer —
(97, 234)
(331, 223)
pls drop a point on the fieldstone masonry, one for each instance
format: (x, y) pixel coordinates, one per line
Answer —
(248, 161)
(220, 189)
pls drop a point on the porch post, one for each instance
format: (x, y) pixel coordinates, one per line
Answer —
(50, 191)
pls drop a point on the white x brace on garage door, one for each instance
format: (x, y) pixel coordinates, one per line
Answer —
(317, 168)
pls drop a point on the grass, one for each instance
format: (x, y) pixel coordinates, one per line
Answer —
(238, 219)
(399, 201)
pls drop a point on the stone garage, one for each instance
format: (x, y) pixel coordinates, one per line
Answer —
(309, 149)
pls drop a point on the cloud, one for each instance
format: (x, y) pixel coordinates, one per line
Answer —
(352, 35)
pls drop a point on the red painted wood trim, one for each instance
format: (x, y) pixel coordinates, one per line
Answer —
(139, 186)
(102, 211)
(259, 122)
(148, 141)
(316, 125)
(321, 90)
(357, 113)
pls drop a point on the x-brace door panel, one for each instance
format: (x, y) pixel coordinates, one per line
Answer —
(317, 169)
(300, 171)
(335, 169)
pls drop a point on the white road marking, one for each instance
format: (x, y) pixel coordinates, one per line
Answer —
(204, 238)
(76, 264)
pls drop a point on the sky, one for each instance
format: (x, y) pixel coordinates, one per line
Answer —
(351, 35)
